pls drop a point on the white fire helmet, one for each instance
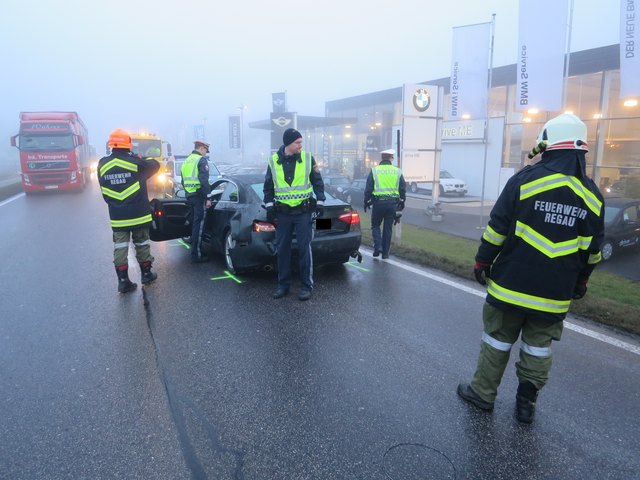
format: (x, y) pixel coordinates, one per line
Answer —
(564, 132)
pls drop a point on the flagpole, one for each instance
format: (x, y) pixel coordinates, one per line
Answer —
(567, 58)
(486, 125)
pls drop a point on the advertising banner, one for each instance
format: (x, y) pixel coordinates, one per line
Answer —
(469, 71)
(629, 58)
(198, 132)
(279, 123)
(235, 132)
(541, 52)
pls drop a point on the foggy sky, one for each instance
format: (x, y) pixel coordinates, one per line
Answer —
(165, 66)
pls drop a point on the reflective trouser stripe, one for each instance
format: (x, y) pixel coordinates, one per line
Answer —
(146, 242)
(497, 344)
(119, 245)
(535, 351)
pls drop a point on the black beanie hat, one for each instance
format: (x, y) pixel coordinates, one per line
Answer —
(290, 136)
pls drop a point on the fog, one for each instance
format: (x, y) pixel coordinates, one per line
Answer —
(165, 66)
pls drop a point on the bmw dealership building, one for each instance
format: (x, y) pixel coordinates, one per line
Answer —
(354, 130)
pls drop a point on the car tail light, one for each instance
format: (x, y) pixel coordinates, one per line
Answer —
(351, 218)
(259, 226)
(158, 213)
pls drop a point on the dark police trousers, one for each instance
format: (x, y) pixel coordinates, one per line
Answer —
(383, 211)
(302, 224)
(196, 204)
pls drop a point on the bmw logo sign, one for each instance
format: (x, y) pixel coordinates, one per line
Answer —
(421, 100)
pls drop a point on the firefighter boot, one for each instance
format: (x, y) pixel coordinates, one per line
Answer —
(147, 275)
(124, 284)
(526, 402)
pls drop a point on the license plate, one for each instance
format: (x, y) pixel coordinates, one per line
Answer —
(50, 187)
(323, 224)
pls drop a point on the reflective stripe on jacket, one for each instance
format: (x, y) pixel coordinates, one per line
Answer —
(300, 189)
(189, 173)
(386, 182)
(123, 184)
(545, 232)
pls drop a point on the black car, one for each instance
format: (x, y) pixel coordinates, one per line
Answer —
(335, 184)
(621, 225)
(236, 226)
(354, 193)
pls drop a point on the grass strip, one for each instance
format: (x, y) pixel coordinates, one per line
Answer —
(610, 300)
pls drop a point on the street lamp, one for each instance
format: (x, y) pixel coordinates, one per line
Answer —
(242, 108)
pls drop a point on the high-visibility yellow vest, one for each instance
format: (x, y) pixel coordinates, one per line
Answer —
(300, 189)
(189, 172)
(386, 181)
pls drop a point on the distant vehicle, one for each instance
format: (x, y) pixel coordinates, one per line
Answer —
(621, 226)
(616, 188)
(54, 151)
(150, 145)
(335, 184)
(449, 185)
(354, 193)
(174, 175)
(236, 226)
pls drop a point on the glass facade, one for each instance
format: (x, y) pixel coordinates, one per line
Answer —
(613, 128)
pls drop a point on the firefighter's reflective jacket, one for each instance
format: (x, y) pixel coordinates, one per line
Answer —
(545, 231)
(123, 183)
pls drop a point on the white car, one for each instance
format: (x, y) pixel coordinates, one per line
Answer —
(449, 185)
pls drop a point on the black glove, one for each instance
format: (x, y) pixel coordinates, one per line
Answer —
(581, 288)
(367, 205)
(479, 269)
(400, 206)
(396, 218)
(319, 211)
(271, 214)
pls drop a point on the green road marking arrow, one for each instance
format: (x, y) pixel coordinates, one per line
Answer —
(355, 265)
(227, 275)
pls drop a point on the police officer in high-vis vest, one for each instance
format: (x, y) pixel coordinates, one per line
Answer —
(291, 180)
(386, 191)
(542, 243)
(195, 180)
(123, 182)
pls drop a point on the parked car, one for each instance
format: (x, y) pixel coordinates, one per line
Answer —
(615, 189)
(335, 184)
(236, 226)
(174, 174)
(621, 226)
(354, 193)
(449, 185)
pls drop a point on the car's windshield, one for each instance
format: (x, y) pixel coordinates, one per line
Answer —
(338, 181)
(46, 143)
(445, 174)
(610, 213)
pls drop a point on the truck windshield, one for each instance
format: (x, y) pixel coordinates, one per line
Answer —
(147, 148)
(46, 143)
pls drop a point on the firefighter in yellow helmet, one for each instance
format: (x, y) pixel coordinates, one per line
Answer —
(123, 183)
(540, 246)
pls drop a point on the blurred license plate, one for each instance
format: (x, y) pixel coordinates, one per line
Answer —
(323, 224)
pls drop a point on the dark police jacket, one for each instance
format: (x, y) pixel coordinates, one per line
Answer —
(123, 183)
(544, 233)
(289, 164)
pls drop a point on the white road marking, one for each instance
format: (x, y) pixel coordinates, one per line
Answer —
(481, 293)
(11, 199)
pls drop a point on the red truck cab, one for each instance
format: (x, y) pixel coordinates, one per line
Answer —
(54, 151)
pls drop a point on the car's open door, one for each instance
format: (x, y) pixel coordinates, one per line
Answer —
(170, 219)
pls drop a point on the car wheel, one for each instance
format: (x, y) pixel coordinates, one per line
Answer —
(441, 190)
(229, 244)
(607, 250)
(414, 187)
(348, 199)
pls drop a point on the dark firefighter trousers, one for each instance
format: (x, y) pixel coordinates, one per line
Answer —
(141, 242)
(501, 330)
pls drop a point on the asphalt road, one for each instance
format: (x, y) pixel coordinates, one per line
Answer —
(214, 379)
